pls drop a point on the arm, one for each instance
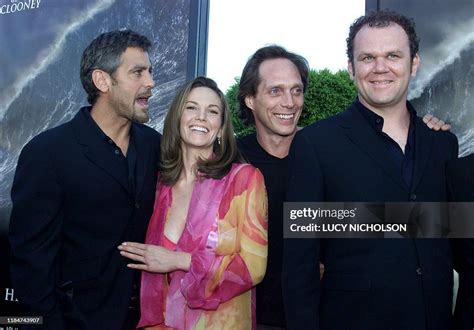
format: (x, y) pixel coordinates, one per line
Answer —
(301, 273)
(155, 258)
(34, 234)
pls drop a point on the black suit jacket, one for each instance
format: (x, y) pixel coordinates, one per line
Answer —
(72, 207)
(460, 175)
(368, 283)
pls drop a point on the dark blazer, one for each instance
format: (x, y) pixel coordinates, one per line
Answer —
(368, 283)
(72, 207)
(460, 176)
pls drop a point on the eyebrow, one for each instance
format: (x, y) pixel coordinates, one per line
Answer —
(210, 105)
(393, 51)
(283, 85)
(140, 67)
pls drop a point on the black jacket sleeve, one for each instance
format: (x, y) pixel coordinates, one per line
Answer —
(35, 233)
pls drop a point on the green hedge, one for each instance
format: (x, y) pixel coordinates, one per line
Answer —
(327, 94)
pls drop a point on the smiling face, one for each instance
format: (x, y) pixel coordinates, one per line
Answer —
(201, 120)
(382, 66)
(131, 86)
(279, 99)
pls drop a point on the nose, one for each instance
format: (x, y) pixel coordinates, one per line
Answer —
(149, 82)
(201, 115)
(380, 65)
(287, 100)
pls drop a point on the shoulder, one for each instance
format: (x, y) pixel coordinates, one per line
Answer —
(62, 134)
(41, 151)
(49, 139)
(148, 138)
(330, 125)
(147, 131)
(440, 137)
(246, 168)
(320, 133)
(244, 172)
(242, 179)
(438, 134)
(250, 148)
(247, 139)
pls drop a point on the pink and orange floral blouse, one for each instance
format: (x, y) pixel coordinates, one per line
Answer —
(226, 235)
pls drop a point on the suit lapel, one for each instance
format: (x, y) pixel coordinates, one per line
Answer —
(423, 149)
(96, 151)
(366, 139)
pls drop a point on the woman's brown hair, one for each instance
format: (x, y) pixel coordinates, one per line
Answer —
(225, 152)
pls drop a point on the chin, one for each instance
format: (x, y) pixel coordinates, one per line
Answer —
(286, 132)
(141, 119)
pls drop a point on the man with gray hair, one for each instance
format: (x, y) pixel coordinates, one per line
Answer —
(81, 189)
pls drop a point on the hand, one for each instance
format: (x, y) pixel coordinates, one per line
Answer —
(435, 123)
(154, 258)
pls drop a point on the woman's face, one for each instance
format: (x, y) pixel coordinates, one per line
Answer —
(201, 120)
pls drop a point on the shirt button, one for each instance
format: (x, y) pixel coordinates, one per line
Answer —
(378, 120)
(117, 152)
(137, 206)
(412, 197)
(110, 141)
(418, 271)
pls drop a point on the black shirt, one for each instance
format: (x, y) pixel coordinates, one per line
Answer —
(275, 172)
(405, 161)
(128, 162)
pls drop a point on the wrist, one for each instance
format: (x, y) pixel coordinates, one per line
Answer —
(183, 261)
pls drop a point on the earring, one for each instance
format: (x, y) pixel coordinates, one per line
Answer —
(218, 140)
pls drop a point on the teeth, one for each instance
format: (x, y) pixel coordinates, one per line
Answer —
(199, 128)
(381, 82)
(143, 102)
(282, 116)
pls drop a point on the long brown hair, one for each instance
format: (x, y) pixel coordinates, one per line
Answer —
(225, 152)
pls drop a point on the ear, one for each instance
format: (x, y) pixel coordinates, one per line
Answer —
(101, 80)
(415, 64)
(350, 68)
(249, 102)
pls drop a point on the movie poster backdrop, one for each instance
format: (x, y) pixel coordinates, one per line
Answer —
(42, 40)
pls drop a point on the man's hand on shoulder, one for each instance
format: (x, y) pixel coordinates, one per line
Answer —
(435, 124)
